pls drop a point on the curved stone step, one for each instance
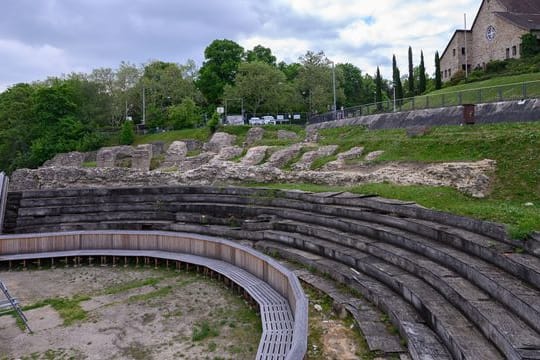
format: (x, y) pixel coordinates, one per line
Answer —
(523, 300)
(506, 330)
(367, 317)
(421, 340)
(459, 335)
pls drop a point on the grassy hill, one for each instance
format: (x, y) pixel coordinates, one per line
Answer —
(512, 87)
(515, 147)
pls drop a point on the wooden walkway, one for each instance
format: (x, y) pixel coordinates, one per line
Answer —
(278, 340)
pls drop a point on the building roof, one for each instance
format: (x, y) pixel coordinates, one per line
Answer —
(521, 6)
(525, 21)
(452, 39)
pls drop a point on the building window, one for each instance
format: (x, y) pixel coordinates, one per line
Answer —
(514, 50)
(462, 51)
(454, 52)
(445, 74)
(508, 53)
(450, 72)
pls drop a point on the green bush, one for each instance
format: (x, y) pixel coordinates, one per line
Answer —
(496, 66)
(127, 134)
(213, 123)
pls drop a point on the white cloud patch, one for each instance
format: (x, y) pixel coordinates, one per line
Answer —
(51, 37)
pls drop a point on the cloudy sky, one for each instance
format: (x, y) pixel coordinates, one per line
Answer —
(40, 38)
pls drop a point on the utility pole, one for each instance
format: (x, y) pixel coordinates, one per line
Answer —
(143, 105)
(334, 87)
(466, 57)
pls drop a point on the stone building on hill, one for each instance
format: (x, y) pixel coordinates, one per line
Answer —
(495, 35)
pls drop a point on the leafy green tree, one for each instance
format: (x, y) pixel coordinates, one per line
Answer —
(127, 134)
(314, 82)
(378, 89)
(164, 85)
(260, 86)
(530, 45)
(185, 115)
(438, 79)
(290, 70)
(352, 84)
(222, 58)
(261, 54)
(411, 73)
(422, 81)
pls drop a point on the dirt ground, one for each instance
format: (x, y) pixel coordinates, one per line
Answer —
(127, 313)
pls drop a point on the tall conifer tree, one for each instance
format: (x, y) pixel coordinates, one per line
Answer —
(438, 80)
(411, 73)
(422, 75)
(378, 89)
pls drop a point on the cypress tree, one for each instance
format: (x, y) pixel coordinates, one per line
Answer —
(411, 73)
(396, 79)
(438, 80)
(378, 89)
(422, 75)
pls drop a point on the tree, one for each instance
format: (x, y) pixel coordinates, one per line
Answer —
(260, 86)
(185, 115)
(438, 79)
(411, 73)
(222, 58)
(352, 83)
(164, 86)
(396, 80)
(290, 70)
(530, 46)
(261, 54)
(422, 82)
(378, 89)
(127, 134)
(315, 82)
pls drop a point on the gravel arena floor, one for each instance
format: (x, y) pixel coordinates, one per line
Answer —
(126, 313)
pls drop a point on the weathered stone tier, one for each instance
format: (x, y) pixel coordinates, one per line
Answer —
(453, 286)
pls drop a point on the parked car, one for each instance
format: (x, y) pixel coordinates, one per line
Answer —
(269, 120)
(256, 121)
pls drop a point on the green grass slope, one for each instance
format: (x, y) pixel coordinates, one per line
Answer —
(515, 147)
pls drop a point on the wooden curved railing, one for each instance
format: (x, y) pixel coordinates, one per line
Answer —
(262, 267)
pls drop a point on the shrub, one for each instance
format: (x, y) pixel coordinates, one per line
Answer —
(496, 66)
(127, 134)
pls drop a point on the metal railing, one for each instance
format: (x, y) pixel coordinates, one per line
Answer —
(4, 181)
(509, 92)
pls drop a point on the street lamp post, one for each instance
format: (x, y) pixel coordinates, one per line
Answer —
(334, 88)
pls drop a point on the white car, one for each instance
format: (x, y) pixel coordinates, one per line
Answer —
(256, 121)
(269, 120)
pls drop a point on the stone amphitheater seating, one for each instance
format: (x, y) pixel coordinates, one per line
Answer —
(454, 287)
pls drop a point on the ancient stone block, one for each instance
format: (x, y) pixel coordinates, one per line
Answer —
(308, 158)
(71, 159)
(254, 134)
(141, 158)
(281, 157)
(219, 141)
(255, 155)
(374, 155)
(176, 154)
(105, 158)
(287, 135)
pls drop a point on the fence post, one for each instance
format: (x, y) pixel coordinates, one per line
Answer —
(413, 103)
(442, 100)
(524, 90)
(427, 102)
(479, 96)
(500, 94)
(460, 98)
